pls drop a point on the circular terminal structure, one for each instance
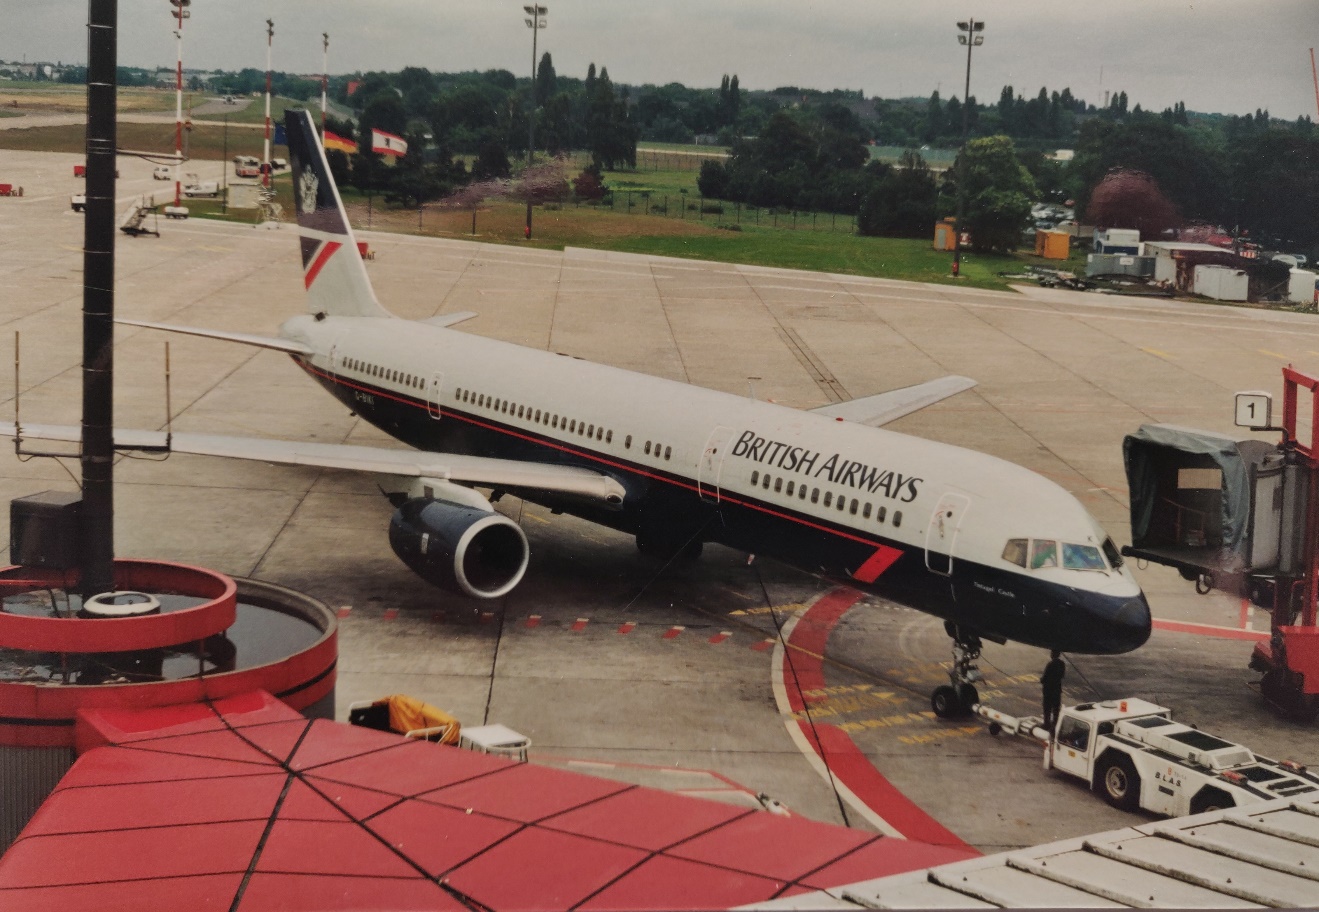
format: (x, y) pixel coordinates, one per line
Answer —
(120, 604)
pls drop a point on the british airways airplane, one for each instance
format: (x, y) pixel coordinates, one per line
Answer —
(995, 550)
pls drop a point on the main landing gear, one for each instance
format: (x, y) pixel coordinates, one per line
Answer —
(957, 698)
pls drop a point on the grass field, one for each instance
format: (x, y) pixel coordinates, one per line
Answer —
(59, 98)
(825, 243)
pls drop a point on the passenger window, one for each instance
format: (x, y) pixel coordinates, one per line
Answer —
(519, 411)
(1015, 551)
(554, 422)
(897, 518)
(647, 447)
(755, 477)
(778, 485)
(865, 511)
(668, 451)
(801, 492)
(537, 418)
(789, 491)
(600, 433)
(590, 430)
(765, 483)
(609, 437)
(1043, 553)
(627, 442)
(815, 496)
(881, 513)
(842, 503)
(828, 497)
(854, 505)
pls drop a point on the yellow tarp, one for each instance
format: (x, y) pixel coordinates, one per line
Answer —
(410, 714)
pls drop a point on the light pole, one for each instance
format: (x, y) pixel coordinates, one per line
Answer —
(535, 21)
(180, 13)
(265, 162)
(971, 38)
(325, 76)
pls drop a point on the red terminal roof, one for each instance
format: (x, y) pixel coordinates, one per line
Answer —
(245, 805)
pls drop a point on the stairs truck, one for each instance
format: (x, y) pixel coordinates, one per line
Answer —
(1134, 755)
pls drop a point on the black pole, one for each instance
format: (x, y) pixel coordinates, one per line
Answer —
(98, 303)
(961, 158)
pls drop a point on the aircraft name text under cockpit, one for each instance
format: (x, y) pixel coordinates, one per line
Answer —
(838, 470)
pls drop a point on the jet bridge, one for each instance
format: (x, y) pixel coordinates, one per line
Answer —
(1240, 516)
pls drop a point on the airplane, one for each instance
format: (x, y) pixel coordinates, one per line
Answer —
(994, 549)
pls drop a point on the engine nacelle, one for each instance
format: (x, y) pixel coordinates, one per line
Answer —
(462, 549)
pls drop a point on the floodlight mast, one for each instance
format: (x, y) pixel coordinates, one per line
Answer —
(535, 22)
(972, 38)
(181, 13)
(265, 162)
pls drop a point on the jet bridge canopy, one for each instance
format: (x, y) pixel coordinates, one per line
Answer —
(1202, 502)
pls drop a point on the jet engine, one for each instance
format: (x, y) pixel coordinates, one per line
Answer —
(463, 549)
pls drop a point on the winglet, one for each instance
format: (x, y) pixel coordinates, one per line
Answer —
(885, 407)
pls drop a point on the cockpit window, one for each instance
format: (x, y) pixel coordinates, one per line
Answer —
(1015, 551)
(1043, 554)
(1082, 557)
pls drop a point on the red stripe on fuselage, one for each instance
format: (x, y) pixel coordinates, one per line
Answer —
(553, 443)
(326, 251)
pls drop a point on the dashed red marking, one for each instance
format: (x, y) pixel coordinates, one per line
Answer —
(580, 624)
(390, 614)
(763, 645)
(344, 611)
(673, 631)
(533, 621)
(877, 563)
(627, 627)
(721, 636)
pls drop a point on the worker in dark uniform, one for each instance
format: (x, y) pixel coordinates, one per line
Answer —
(1051, 683)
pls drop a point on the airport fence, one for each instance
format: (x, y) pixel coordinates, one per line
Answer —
(725, 214)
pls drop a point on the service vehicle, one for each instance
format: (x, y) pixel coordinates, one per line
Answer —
(161, 173)
(1135, 756)
(247, 166)
(194, 187)
(78, 201)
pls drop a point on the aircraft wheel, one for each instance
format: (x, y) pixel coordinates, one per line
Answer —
(945, 703)
(968, 696)
(1117, 779)
(995, 729)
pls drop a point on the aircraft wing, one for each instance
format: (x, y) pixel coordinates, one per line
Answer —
(284, 345)
(472, 470)
(880, 409)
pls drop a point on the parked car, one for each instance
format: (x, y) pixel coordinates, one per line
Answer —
(161, 173)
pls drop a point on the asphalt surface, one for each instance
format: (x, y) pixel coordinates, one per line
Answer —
(602, 656)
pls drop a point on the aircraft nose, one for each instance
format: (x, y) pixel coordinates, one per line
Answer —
(1131, 623)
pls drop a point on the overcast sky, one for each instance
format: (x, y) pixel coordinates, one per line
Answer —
(1229, 56)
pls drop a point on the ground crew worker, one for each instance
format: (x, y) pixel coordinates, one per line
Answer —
(1051, 683)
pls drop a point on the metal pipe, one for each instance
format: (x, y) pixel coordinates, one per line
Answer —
(265, 162)
(97, 455)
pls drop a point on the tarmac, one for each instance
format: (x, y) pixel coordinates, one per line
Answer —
(611, 663)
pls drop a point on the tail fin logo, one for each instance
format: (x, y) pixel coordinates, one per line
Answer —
(307, 198)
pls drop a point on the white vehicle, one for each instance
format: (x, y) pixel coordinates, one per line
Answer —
(161, 173)
(78, 202)
(194, 187)
(1135, 756)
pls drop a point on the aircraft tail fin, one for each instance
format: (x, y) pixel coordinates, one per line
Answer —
(333, 272)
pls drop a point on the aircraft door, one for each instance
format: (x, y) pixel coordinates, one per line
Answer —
(433, 395)
(712, 463)
(941, 534)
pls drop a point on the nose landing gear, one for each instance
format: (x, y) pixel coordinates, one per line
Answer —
(957, 697)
